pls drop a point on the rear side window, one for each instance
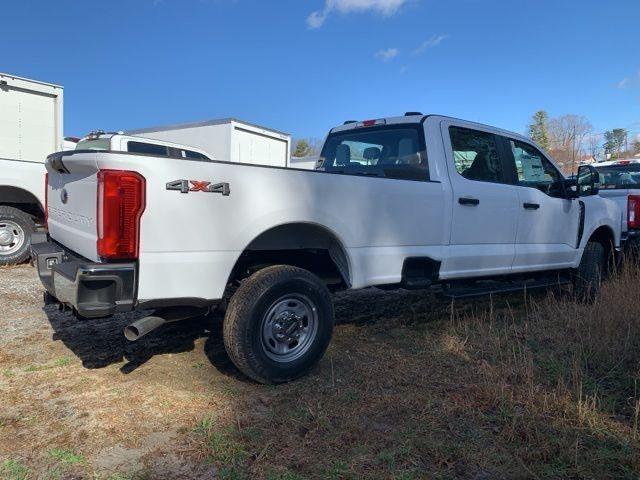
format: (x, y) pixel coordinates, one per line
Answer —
(475, 155)
(148, 149)
(194, 155)
(390, 152)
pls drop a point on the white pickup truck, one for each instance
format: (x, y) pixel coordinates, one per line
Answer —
(620, 182)
(407, 202)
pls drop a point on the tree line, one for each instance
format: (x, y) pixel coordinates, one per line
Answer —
(570, 139)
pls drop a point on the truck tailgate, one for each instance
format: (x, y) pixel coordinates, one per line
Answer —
(72, 202)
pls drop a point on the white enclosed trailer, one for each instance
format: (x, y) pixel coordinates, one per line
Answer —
(30, 129)
(227, 140)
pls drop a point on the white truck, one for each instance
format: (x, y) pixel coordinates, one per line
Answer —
(227, 139)
(620, 182)
(415, 201)
(30, 129)
(118, 142)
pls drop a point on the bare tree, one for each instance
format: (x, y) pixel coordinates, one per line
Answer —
(594, 146)
(567, 136)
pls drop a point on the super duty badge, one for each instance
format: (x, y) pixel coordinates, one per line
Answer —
(186, 186)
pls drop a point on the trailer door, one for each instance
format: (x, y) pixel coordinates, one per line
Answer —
(259, 149)
(27, 124)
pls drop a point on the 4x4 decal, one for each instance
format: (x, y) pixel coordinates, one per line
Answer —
(186, 186)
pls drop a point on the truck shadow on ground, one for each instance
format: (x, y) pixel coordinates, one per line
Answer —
(101, 342)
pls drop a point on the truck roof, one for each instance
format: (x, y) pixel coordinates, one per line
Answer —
(418, 117)
(204, 123)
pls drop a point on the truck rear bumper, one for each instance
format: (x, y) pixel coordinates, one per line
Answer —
(93, 290)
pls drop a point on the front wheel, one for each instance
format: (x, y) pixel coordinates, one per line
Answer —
(278, 324)
(16, 228)
(591, 271)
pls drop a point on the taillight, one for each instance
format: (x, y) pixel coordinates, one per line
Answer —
(121, 201)
(46, 199)
(633, 212)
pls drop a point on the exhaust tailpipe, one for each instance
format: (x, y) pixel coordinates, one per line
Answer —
(140, 328)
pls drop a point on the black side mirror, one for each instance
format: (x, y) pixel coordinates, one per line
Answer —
(588, 181)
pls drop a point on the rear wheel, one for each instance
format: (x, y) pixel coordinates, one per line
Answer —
(591, 271)
(16, 228)
(278, 324)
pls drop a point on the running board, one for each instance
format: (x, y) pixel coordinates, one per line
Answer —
(481, 290)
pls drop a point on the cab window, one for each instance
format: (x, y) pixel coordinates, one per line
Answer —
(475, 155)
(534, 170)
(147, 149)
(194, 155)
(390, 151)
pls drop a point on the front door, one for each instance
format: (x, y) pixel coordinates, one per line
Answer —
(548, 222)
(484, 206)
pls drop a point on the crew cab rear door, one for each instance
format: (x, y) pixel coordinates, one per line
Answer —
(484, 212)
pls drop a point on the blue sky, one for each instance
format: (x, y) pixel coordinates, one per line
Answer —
(305, 66)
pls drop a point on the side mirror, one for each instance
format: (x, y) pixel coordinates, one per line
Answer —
(588, 181)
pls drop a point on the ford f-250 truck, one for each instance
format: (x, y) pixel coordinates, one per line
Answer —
(412, 202)
(620, 182)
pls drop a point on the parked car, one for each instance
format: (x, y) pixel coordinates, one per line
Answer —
(30, 129)
(620, 182)
(404, 202)
(119, 142)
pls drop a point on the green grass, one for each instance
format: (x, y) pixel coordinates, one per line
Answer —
(36, 368)
(62, 362)
(13, 470)
(66, 457)
(8, 373)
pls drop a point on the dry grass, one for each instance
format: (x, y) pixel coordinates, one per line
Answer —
(411, 387)
(518, 387)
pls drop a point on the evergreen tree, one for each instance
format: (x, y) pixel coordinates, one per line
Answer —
(539, 129)
(302, 149)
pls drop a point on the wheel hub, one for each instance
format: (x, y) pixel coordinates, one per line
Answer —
(12, 237)
(288, 328)
(6, 237)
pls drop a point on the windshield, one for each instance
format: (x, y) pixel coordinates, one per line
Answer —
(94, 144)
(620, 176)
(388, 151)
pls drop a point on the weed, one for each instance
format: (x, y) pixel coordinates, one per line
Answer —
(62, 362)
(13, 470)
(66, 457)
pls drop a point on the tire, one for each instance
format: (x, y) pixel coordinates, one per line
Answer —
(590, 272)
(264, 316)
(16, 228)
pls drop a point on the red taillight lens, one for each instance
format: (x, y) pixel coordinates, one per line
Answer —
(46, 199)
(121, 201)
(633, 211)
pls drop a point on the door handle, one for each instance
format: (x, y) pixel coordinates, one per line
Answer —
(531, 206)
(468, 201)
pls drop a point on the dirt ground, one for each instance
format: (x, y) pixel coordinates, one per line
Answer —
(79, 389)
(396, 396)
